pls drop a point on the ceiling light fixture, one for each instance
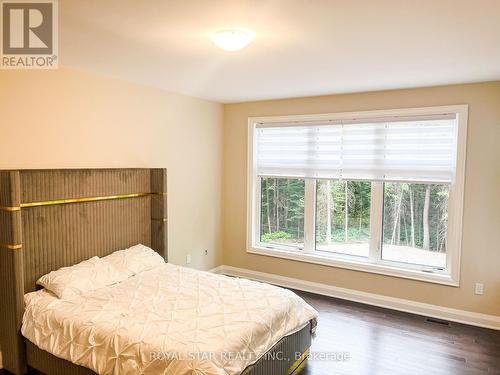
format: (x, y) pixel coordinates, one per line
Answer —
(232, 39)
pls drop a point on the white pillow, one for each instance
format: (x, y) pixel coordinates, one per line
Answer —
(135, 259)
(86, 276)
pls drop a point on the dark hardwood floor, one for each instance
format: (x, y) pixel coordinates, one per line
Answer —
(381, 341)
(378, 341)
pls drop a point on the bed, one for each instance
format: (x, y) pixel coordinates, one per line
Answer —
(57, 218)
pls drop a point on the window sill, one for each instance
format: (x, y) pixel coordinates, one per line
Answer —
(351, 264)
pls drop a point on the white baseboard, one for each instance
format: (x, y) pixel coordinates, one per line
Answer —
(400, 304)
(218, 270)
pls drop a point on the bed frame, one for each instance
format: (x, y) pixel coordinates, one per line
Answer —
(55, 218)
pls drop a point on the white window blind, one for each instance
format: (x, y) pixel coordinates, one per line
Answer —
(409, 149)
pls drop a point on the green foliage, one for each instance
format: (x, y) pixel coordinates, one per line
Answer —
(280, 235)
(342, 201)
(338, 235)
(343, 208)
(404, 203)
(282, 208)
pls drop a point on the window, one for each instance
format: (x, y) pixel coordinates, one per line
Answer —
(282, 212)
(377, 191)
(415, 224)
(343, 217)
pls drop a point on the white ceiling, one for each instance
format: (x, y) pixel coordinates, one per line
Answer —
(301, 48)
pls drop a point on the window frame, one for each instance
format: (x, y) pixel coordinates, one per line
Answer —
(375, 263)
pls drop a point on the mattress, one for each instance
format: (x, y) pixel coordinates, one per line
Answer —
(169, 320)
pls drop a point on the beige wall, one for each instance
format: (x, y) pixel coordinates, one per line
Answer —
(68, 119)
(481, 223)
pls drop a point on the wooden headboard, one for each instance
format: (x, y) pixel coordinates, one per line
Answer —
(55, 218)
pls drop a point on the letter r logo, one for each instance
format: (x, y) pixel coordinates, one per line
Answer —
(27, 28)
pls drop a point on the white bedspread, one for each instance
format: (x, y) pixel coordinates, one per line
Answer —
(169, 320)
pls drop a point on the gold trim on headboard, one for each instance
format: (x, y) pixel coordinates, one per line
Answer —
(164, 219)
(9, 209)
(10, 247)
(81, 200)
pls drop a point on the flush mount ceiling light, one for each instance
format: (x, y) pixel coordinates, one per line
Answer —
(232, 39)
